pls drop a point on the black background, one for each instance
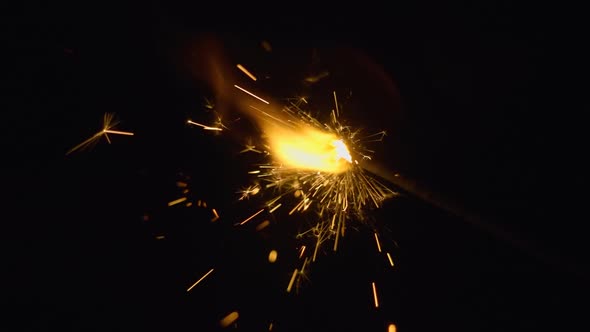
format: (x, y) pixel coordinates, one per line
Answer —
(475, 118)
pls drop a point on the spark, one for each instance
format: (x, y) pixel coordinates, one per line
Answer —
(209, 104)
(252, 216)
(249, 191)
(293, 276)
(262, 225)
(245, 71)
(177, 201)
(200, 279)
(249, 147)
(205, 127)
(251, 94)
(302, 251)
(229, 319)
(375, 295)
(109, 122)
(391, 328)
(336, 104)
(390, 259)
(272, 256)
(377, 241)
(215, 215)
(275, 208)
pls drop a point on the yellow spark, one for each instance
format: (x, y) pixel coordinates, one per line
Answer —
(336, 103)
(245, 71)
(292, 280)
(390, 260)
(272, 256)
(189, 204)
(160, 237)
(106, 131)
(252, 216)
(176, 201)
(375, 295)
(377, 240)
(200, 279)
(262, 225)
(391, 328)
(270, 327)
(181, 184)
(308, 149)
(199, 203)
(185, 191)
(229, 319)
(251, 94)
(204, 126)
(275, 208)
(215, 215)
(302, 251)
(204, 204)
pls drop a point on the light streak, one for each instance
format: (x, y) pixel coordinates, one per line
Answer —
(200, 279)
(251, 94)
(302, 251)
(252, 216)
(177, 201)
(205, 127)
(293, 276)
(390, 259)
(377, 241)
(245, 71)
(376, 301)
(117, 132)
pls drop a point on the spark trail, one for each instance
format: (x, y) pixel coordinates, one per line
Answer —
(108, 126)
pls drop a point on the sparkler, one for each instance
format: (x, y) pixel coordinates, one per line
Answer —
(317, 163)
(108, 124)
(310, 164)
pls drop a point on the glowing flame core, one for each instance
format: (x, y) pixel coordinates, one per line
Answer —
(309, 149)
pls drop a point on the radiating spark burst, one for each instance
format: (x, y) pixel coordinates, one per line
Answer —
(108, 124)
(317, 163)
